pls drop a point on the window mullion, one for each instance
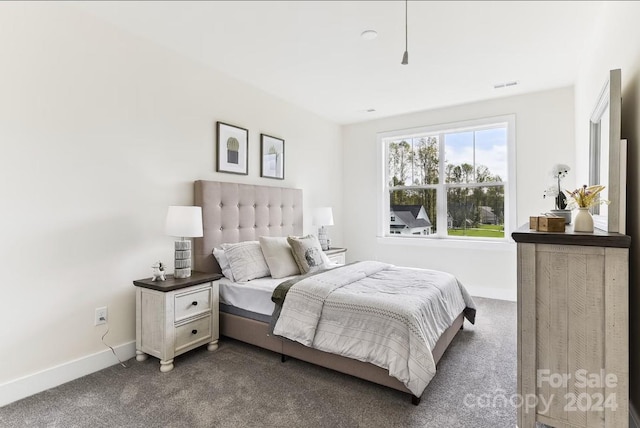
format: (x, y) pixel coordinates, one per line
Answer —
(421, 187)
(442, 190)
(473, 173)
(474, 185)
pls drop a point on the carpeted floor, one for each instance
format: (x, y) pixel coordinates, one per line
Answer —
(244, 386)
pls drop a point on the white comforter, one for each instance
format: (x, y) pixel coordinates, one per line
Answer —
(375, 312)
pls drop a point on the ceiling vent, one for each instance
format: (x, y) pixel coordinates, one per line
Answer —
(505, 84)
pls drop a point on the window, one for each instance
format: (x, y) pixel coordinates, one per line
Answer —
(450, 180)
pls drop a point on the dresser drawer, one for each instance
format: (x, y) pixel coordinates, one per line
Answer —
(192, 303)
(192, 333)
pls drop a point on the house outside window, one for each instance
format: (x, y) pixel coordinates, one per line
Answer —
(450, 181)
(409, 220)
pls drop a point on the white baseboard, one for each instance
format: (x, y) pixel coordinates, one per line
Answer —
(634, 420)
(37, 382)
(493, 293)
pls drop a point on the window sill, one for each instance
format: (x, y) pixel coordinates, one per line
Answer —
(506, 244)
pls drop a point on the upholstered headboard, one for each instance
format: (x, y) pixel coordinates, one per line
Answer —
(242, 212)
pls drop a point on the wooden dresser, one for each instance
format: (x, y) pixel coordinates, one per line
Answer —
(573, 328)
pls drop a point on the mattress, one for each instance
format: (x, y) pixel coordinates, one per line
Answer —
(251, 296)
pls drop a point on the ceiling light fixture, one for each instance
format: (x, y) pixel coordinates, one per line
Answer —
(405, 56)
(369, 34)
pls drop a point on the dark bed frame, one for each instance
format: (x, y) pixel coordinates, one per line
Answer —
(234, 212)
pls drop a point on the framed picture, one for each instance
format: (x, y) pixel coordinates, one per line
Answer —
(232, 146)
(272, 157)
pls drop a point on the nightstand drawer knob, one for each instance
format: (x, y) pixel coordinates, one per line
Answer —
(194, 331)
(194, 303)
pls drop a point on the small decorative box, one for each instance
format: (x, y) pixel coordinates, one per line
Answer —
(547, 223)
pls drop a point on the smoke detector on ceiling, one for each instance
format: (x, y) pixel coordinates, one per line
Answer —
(369, 34)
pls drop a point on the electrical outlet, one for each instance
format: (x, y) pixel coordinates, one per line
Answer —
(101, 315)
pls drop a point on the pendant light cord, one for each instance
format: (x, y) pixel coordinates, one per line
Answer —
(405, 56)
(406, 25)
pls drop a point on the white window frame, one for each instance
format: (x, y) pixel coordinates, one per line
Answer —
(441, 235)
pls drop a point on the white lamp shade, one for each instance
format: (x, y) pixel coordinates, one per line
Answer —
(323, 216)
(185, 222)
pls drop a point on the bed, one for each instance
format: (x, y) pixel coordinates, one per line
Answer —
(234, 213)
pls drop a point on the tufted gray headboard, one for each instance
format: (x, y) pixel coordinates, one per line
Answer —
(234, 212)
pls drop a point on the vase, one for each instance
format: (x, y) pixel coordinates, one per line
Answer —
(563, 213)
(583, 221)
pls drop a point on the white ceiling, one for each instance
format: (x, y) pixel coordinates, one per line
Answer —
(310, 53)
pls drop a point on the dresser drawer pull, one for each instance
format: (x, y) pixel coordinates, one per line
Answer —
(194, 303)
(194, 331)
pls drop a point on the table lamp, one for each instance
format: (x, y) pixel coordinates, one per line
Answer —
(183, 222)
(323, 216)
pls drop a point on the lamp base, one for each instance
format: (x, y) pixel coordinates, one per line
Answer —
(323, 238)
(182, 273)
(182, 261)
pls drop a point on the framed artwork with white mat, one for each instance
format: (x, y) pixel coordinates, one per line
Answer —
(232, 148)
(271, 157)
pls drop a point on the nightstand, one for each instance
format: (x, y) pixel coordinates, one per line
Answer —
(337, 255)
(176, 316)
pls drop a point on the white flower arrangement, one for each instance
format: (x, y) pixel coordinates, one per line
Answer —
(558, 172)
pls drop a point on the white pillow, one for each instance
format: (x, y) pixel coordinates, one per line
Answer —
(277, 253)
(223, 261)
(246, 260)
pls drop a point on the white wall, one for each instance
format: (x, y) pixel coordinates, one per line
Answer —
(100, 132)
(616, 44)
(544, 136)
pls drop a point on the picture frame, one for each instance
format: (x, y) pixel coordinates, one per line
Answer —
(271, 157)
(232, 148)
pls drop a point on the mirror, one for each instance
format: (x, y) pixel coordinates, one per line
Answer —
(607, 156)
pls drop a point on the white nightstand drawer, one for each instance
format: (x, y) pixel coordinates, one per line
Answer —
(337, 255)
(192, 333)
(192, 303)
(337, 258)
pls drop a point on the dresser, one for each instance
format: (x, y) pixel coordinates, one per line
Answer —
(573, 350)
(175, 316)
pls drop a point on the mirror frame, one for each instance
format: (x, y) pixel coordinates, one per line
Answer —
(611, 98)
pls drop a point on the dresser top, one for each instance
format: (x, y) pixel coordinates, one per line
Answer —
(172, 283)
(599, 238)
